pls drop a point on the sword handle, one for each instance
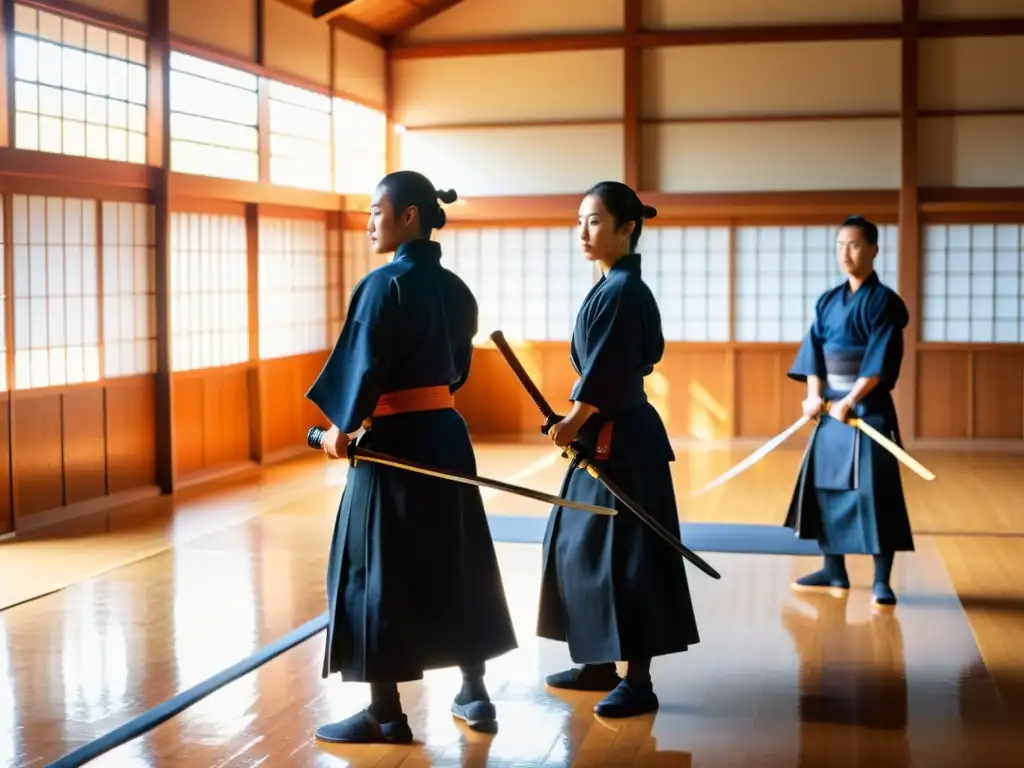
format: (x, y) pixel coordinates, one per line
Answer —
(550, 417)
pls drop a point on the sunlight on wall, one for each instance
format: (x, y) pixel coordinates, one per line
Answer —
(659, 395)
(708, 418)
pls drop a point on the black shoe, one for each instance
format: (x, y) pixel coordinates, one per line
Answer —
(589, 677)
(363, 728)
(822, 580)
(479, 715)
(883, 594)
(628, 700)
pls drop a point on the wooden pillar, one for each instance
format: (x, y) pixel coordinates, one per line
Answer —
(7, 74)
(393, 150)
(252, 248)
(7, 139)
(632, 53)
(909, 218)
(257, 395)
(159, 159)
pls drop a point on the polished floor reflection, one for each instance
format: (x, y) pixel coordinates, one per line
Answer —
(779, 679)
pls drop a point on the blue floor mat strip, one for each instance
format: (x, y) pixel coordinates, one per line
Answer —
(168, 709)
(733, 538)
(737, 538)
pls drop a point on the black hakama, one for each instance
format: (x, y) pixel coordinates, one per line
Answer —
(413, 581)
(612, 589)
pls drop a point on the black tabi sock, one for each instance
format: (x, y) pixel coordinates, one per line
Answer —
(602, 672)
(473, 688)
(883, 567)
(385, 704)
(638, 671)
(835, 566)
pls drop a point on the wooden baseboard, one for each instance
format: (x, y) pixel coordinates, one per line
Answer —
(965, 445)
(216, 473)
(59, 515)
(285, 454)
(798, 441)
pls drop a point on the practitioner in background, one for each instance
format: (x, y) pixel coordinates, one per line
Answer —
(849, 495)
(612, 589)
(413, 581)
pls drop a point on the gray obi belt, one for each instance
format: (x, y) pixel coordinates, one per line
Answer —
(837, 446)
(842, 368)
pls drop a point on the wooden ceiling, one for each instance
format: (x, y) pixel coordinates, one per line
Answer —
(383, 17)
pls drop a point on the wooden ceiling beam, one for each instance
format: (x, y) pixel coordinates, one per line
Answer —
(421, 14)
(325, 10)
(406, 49)
(354, 28)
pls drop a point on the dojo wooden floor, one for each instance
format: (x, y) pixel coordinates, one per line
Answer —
(779, 679)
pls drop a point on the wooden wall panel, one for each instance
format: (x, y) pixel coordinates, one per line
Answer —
(998, 388)
(132, 10)
(763, 395)
(943, 394)
(296, 43)
(225, 419)
(542, 160)
(187, 423)
(771, 79)
(971, 392)
(37, 465)
(78, 444)
(957, 73)
(286, 414)
(493, 402)
(359, 68)
(969, 9)
(578, 85)
(131, 434)
(784, 155)
(84, 443)
(224, 25)
(971, 151)
(6, 507)
(692, 390)
(211, 419)
(698, 389)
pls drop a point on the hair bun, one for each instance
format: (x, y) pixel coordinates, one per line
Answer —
(650, 211)
(447, 195)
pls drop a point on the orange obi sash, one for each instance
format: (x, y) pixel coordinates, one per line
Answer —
(410, 400)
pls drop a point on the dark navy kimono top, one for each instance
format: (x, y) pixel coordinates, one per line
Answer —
(616, 343)
(410, 324)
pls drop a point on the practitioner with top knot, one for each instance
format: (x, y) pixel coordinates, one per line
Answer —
(412, 581)
(612, 589)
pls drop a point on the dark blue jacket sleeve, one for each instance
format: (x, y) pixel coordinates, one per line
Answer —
(347, 389)
(810, 359)
(886, 317)
(469, 321)
(606, 370)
